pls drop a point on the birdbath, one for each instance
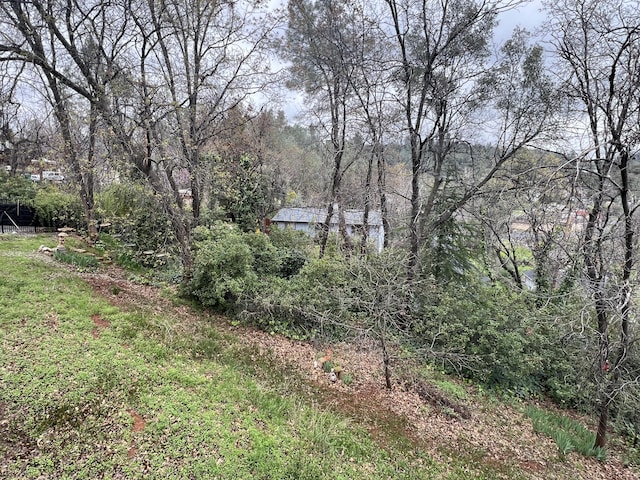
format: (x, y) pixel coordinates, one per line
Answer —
(62, 236)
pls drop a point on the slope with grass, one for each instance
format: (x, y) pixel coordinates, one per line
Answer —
(104, 378)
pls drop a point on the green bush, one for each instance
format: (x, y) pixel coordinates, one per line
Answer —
(223, 267)
(489, 334)
(316, 285)
(57, 208)
(138, 219)
(305, 305)
(17, 188)
(290, 238)
(291, 262)
(246, 273)
(266, 258)
(294, 248)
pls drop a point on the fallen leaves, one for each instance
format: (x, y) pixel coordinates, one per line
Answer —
(493, 433)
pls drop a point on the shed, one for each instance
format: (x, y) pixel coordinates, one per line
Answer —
(307, 219)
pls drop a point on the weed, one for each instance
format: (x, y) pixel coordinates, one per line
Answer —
(80, 260)
(347, 378)
(327, 366)
(568, 434)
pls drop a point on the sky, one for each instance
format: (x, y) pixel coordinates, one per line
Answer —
(528, 16)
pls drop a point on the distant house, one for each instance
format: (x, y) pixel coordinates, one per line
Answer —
(308, 219)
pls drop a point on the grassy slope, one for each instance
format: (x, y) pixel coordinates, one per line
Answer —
(90, 390)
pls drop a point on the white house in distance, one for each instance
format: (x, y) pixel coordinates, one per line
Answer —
(307, 219)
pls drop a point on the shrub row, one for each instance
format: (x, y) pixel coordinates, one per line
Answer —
(490, 334)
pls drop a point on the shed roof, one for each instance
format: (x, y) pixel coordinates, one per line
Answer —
(311, 215)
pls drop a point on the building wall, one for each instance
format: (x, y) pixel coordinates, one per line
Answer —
(376, 232)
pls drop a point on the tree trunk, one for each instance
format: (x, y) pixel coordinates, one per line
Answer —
(603, 419)
(611, 372)
(92, 228)
(414, 220)
(342, 228)
(367, 205)
(382, 192)
(83, 176)
(386, 360)
(324, 230)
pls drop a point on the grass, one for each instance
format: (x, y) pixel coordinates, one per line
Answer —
(568, 434)
(74, 394)
(89, 390)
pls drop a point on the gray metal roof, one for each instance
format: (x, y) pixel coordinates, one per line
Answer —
(309, 215)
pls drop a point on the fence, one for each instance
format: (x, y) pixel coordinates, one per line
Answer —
(19, 219)
(25, 229)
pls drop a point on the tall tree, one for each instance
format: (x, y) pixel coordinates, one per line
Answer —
(441, 56)
(198, 61)
(375, 111)
(597, 46)
(439, 48)
(319, 43)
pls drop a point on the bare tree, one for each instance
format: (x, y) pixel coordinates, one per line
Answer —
(528, 213)
(196, 63)
(597, 46)
(439, 48)
(382, 297)
(375, 111)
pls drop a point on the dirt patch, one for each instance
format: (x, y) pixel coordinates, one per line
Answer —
(52, 321)
(132, 452)
(100, 324)
(138, 422)
(138, 425)
(112, 284)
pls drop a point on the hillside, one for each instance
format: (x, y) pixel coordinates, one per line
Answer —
(104, 377)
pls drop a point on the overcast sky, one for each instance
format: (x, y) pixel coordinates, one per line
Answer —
(528, 16)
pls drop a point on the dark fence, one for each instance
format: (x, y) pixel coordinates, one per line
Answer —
(19, 218)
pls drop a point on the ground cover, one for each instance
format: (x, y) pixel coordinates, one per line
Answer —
(101, 377)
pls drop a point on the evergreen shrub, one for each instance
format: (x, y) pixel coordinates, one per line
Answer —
(488, 334)
(57, 208)
(294, 248)
(138, 219)
(223, 267)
